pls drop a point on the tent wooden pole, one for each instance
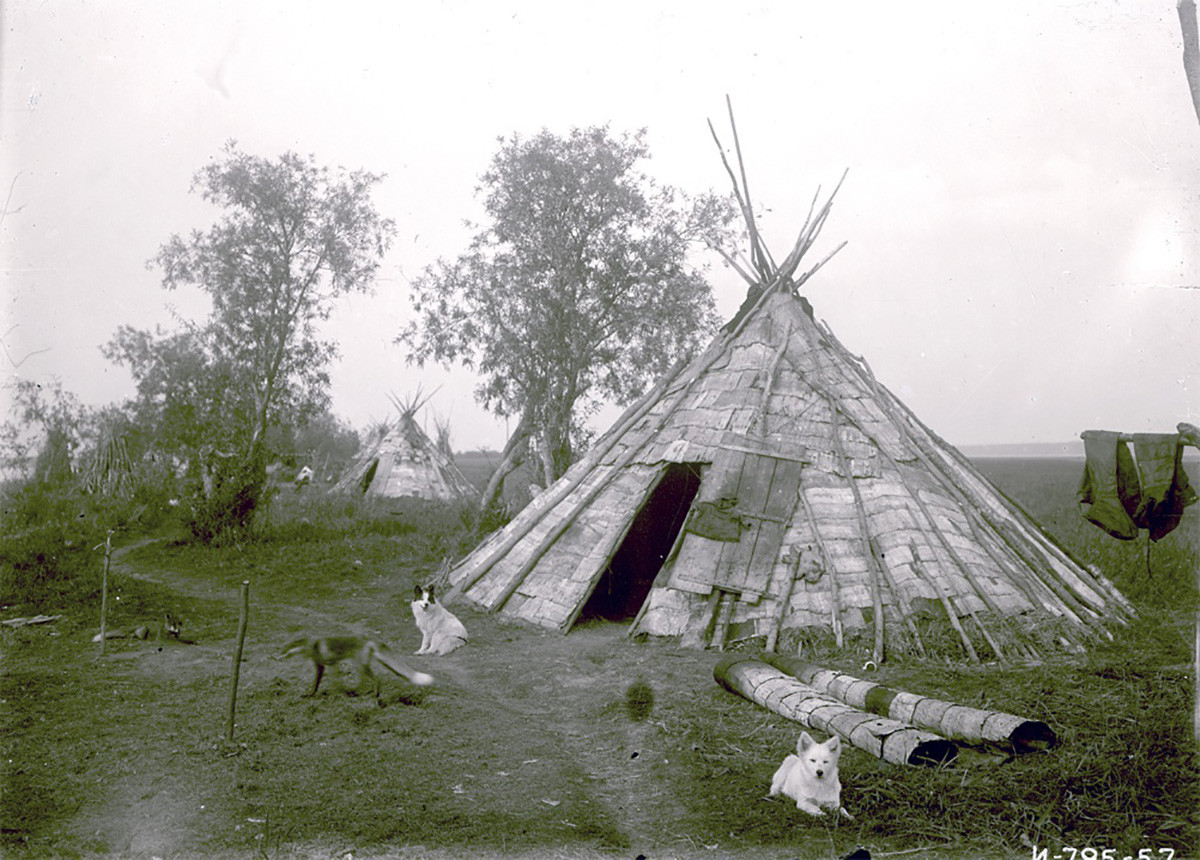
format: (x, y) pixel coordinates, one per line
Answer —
(808, 235)
(835, 609)
(875, 553)
(696, 636)
(769, 383)
(663, 575)
(932, 458)
(901, 598)
(961, 563)
(792, 569)
(784, 599)
(902, 416)
(728, 601)
(950, 611)
(864, 530)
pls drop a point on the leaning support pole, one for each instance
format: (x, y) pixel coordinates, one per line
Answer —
(892, 741)
(956, 722)
(237, 657)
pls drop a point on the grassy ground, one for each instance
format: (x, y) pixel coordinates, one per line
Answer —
(527, 745)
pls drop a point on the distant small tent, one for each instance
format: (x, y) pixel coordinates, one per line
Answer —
(399, 461)
(774, 488)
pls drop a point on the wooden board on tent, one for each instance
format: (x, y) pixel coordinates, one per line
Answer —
(694, 570)
(766, 507)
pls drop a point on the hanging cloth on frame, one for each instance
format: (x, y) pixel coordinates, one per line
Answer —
(1122, 495)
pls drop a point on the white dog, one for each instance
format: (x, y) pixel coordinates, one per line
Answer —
(441, 632)
(810, 777)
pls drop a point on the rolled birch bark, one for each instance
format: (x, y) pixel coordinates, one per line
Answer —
(957, 722)
(890, 740)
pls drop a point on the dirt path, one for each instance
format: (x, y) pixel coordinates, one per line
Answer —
(549, 710)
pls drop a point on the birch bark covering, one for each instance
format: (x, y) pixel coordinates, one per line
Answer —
(956, 722)
(854, 519)
(890, 740)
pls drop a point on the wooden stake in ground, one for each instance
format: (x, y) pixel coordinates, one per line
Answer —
(1189, 434)
(956, 722)
(104, 587)
(892, 741)
(237, 657)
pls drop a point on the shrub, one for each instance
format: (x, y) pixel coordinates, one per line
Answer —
(45, 558)
(228, 512)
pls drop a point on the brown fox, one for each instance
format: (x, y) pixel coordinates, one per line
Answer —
(331, 650)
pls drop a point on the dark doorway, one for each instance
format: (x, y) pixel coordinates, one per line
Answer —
(625, 583)
(364, 483)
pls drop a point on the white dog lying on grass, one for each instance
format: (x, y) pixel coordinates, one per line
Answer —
(810, 777)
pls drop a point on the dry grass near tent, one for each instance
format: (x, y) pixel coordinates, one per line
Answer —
(529, 746)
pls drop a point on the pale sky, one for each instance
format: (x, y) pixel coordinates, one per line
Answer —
(1020, 205)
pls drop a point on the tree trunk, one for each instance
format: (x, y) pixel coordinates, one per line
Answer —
(956, 722)
(510, 459)
(892, 741)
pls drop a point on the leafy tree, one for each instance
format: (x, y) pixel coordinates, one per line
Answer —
(46, 424)
(292, 237)
(579, 288)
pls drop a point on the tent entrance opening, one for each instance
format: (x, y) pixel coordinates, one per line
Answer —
(626, 582)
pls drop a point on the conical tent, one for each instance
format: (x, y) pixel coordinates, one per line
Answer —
(773, 487)
(401, 461)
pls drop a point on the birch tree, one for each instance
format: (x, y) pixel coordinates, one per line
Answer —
(580, 287)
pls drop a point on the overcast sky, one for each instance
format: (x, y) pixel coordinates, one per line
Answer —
(1019, 206)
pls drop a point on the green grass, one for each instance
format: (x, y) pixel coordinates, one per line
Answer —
(527, 747)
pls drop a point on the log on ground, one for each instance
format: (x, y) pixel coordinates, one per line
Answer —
(887, 739)
(957, 722)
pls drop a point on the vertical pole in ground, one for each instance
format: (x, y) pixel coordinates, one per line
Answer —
(1189, 434)
(104, 588)
(237, 657)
